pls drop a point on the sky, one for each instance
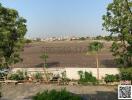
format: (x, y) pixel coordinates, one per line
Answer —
(60, 18)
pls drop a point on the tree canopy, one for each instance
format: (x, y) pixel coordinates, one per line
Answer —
(118, 20)
(95, 46)
(12, 32)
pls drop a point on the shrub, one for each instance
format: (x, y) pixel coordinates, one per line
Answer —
(111, 78)
(82, 38)
(28, 41)
(19, 75)
(87, 77)
(81, 74)
(56, 95)
(63, 74)
(126, 73)
(2, 75)
(3, 72)
(38, 76)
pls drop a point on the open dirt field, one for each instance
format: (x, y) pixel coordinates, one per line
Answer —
(26, 91)
(65, 54)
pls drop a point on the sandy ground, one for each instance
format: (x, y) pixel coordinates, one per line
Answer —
(26, 91)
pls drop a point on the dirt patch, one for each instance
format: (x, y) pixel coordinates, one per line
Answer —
(65, 54)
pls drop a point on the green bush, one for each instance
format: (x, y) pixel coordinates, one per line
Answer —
(87, 78)
(2, 75)
(56, 95)
(38, 76)
(82, 38)
(126, 73)
(19, 75)
(111, 78)
(28, 41)
(3, 72)
(64, 77)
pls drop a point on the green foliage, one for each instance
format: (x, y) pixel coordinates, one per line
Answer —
(107, 38)
(95, 46)
(56, 95)
(99, 37)
(82, 38)
(111, 78)
(44, 56)
(28, 41)
(19, 75)
(12, 32)
(86, 78)
(118, 21)
(81, 74)
(38, 75)
(64, 75)
(2, 75)
(126, 73)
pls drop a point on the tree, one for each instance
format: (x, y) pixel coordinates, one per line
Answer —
(82, 38)
(45, 57)
(12, 32)
(95, 48)
(28, 41)
(118, 21)
(99, 37)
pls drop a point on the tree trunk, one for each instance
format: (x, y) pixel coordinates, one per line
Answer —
(97, 65)
(45, 71)
(45, 74)
(0, 90)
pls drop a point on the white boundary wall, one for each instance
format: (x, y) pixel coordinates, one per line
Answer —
(71, 73)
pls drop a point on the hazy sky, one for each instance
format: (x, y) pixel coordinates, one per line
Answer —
(46, 18)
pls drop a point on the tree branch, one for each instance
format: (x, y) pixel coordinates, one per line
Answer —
(127, 5)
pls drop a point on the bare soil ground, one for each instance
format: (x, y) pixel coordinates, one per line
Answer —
(26, 91)
(65, 54)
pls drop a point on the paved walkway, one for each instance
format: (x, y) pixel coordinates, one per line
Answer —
(26, 91)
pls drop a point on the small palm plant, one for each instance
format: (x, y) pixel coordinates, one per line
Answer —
(95, 48)
(45, 56)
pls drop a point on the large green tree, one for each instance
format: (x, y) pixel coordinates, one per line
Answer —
(12, 32)
(118, 21)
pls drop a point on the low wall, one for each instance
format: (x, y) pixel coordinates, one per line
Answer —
(71, 73)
